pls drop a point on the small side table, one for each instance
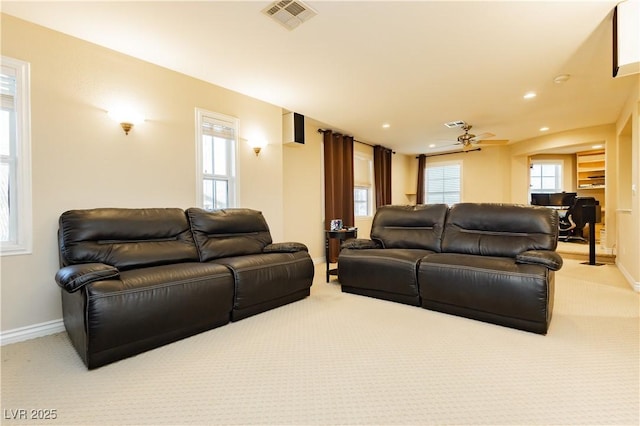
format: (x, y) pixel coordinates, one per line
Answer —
(343, 234)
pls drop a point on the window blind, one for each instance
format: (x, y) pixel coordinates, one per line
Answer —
(442, 184)
(218, 128)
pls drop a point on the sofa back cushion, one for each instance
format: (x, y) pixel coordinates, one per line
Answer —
(415, 227)
(125, 238)
(499, 229)
(228, 232)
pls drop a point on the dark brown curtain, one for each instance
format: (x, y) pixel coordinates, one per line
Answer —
(422, 162)
(338, 184)
(382, 174)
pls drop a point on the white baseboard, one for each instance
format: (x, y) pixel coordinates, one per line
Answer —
(634, 284)
(31, 332)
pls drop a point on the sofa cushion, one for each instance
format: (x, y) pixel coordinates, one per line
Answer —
(499, 229)
(125, 238)
(265, 281)
(389, 274)
(412, 227)
(148, 307)
(228, 232)
(488, 288)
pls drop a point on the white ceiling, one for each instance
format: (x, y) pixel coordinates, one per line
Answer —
(359, 64)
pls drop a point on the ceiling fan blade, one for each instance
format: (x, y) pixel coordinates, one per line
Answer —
(482, 136)
(493, 142)
(443, 142)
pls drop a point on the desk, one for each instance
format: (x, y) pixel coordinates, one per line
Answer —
(343, 234)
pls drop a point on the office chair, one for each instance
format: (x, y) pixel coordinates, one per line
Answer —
(573, 222)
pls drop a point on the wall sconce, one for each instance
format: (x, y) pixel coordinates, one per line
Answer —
(257, 145)
(126, 117)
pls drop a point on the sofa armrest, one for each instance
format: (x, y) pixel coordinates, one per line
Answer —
(73, 277)
(548, 258)
(360, 244)
(284, 248)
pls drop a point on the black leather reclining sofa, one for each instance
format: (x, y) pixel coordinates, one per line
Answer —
(136, 279)
(490, 262)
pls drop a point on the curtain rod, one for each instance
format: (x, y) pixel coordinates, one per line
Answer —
(448, 153)
(355, 140)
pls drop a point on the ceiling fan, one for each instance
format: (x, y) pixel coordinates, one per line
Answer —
(467, 140)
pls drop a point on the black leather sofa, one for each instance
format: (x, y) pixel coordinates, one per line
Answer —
(490, 262)
(136, 279)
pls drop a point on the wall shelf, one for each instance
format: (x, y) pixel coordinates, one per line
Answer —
(590, 169)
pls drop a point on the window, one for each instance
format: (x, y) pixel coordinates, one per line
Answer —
(545, 176)
(363, 183)
(361, 200)
(15, 158)
(216, 160)
(442, 183)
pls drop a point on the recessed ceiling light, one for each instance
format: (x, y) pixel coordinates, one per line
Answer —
(386, 125)
(529, 95)
(432, 145)
(596, 146)
(559, 79)
(544, 129)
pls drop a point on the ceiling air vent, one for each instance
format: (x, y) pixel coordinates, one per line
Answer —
(289, 13)
(453, 124)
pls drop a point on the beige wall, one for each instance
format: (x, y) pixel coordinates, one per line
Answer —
(403, 179)
(485, 174)
(628, 216)
(304, 191)
(82, 159)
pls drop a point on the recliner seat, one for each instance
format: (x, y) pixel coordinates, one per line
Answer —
(479, 273)
(387, 269)
(265, 275)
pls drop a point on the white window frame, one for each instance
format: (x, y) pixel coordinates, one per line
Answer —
(559, 165)
(202, 116)
(439, 165)
(368, 185)
(367, 190)
(21, 217)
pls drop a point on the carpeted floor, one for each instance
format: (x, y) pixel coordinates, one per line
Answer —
(580, 251)
(336, 358)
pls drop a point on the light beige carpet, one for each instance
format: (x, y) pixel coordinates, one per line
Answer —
(336, 358)
(580, 251)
